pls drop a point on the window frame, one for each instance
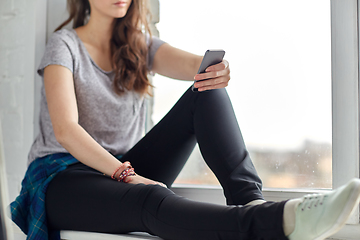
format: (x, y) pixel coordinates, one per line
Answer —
(345, 92)
(345, 23)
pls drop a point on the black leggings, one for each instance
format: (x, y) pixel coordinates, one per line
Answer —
(81, 198)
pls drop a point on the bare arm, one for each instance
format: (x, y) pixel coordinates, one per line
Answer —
(178, 64)
(61, 99)
(60, 95)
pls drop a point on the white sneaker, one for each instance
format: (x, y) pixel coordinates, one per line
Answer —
(319, 216)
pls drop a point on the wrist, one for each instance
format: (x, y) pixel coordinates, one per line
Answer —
(120, 169)
(123, 171)
(126, 173)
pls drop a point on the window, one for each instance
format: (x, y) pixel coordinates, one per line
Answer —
(345, 104)
(280, 59)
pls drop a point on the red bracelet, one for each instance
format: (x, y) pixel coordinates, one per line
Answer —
(126, 173)
(122, 167)
(113, 175)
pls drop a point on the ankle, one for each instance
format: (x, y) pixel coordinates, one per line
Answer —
(289, 216)
(255, 202)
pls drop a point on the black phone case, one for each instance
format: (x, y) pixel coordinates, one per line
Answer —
(211, 57)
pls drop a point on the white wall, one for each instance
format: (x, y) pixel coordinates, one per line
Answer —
(19, 38)
(24, 28)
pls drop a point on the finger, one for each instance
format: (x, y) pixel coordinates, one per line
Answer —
(218, 67)
(213, 81)
(217, 86)
(213, 74)
(161, 184)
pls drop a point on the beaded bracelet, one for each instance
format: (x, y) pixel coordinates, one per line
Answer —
(126, 173)
(122, 167)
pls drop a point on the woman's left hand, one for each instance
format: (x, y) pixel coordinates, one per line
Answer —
(216, 76)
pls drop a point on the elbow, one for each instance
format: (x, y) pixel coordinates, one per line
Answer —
(63, 133)
(60, 136)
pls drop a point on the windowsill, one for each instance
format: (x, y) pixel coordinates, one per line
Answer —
(214, 194)
(270, 194)
(348, 232)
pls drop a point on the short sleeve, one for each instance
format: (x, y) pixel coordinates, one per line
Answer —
(155, 43)
(57, 52)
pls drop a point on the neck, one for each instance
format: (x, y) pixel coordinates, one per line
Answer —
(99, 31)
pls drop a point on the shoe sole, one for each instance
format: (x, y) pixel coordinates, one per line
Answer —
(349, 208)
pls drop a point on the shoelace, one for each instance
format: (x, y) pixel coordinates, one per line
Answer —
(312, 200)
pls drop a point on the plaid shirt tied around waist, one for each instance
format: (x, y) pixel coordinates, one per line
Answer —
(28, 209)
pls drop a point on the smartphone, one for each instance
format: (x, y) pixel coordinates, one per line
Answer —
(211, 57)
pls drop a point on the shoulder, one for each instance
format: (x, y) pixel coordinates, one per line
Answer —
(62, 48)
(64, 36)
(153, 40)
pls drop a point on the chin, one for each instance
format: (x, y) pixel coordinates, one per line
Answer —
(120, 14)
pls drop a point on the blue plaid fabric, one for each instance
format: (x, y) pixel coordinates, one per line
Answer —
(28, 210)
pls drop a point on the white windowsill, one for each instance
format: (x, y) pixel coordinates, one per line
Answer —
(214, 194)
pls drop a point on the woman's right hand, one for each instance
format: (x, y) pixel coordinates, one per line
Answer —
(139, 179)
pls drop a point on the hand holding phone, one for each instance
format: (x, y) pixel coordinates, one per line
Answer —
(211, 57)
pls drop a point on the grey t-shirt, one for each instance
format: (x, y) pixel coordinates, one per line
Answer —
(115, 122)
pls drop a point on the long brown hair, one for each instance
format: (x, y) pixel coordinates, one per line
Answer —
(128, 44)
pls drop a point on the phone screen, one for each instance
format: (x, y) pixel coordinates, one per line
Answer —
(211, 57)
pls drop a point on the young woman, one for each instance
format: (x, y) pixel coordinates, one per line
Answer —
(90, 169)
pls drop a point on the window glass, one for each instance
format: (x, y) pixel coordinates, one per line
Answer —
(279, 53)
